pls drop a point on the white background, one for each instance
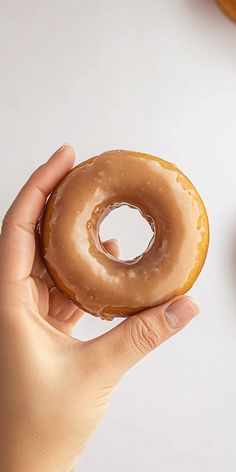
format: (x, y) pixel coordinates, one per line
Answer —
(157, 76)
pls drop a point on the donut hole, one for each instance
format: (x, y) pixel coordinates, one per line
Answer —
(132, 231)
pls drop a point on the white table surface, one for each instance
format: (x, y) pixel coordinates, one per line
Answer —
(157, 76)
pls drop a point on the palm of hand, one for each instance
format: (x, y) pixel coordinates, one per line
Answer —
(63, 387)
(52, 379)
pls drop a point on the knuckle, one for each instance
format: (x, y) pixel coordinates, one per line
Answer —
(145, 333)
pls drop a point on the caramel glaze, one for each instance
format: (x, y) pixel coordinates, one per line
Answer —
(229, 7)
(75, 258)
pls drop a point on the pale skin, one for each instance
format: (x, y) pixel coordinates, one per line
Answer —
(55, 388)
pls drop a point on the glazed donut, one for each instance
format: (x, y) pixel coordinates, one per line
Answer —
(229, 7)
(73, 253)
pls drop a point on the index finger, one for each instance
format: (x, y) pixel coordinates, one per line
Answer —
(17, 240)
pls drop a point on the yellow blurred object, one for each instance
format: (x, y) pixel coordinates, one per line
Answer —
(229, 7)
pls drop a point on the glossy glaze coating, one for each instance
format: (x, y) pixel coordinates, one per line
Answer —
(85, 272)
(229, 7)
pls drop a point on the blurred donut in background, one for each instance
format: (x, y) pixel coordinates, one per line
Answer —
(229, 7)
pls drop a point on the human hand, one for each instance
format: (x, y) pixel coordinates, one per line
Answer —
(55, 388)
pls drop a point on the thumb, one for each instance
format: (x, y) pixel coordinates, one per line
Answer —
(136, 336)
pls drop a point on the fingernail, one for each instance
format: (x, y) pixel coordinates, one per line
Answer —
(181, 311)
(58, 150)
(63, 146)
